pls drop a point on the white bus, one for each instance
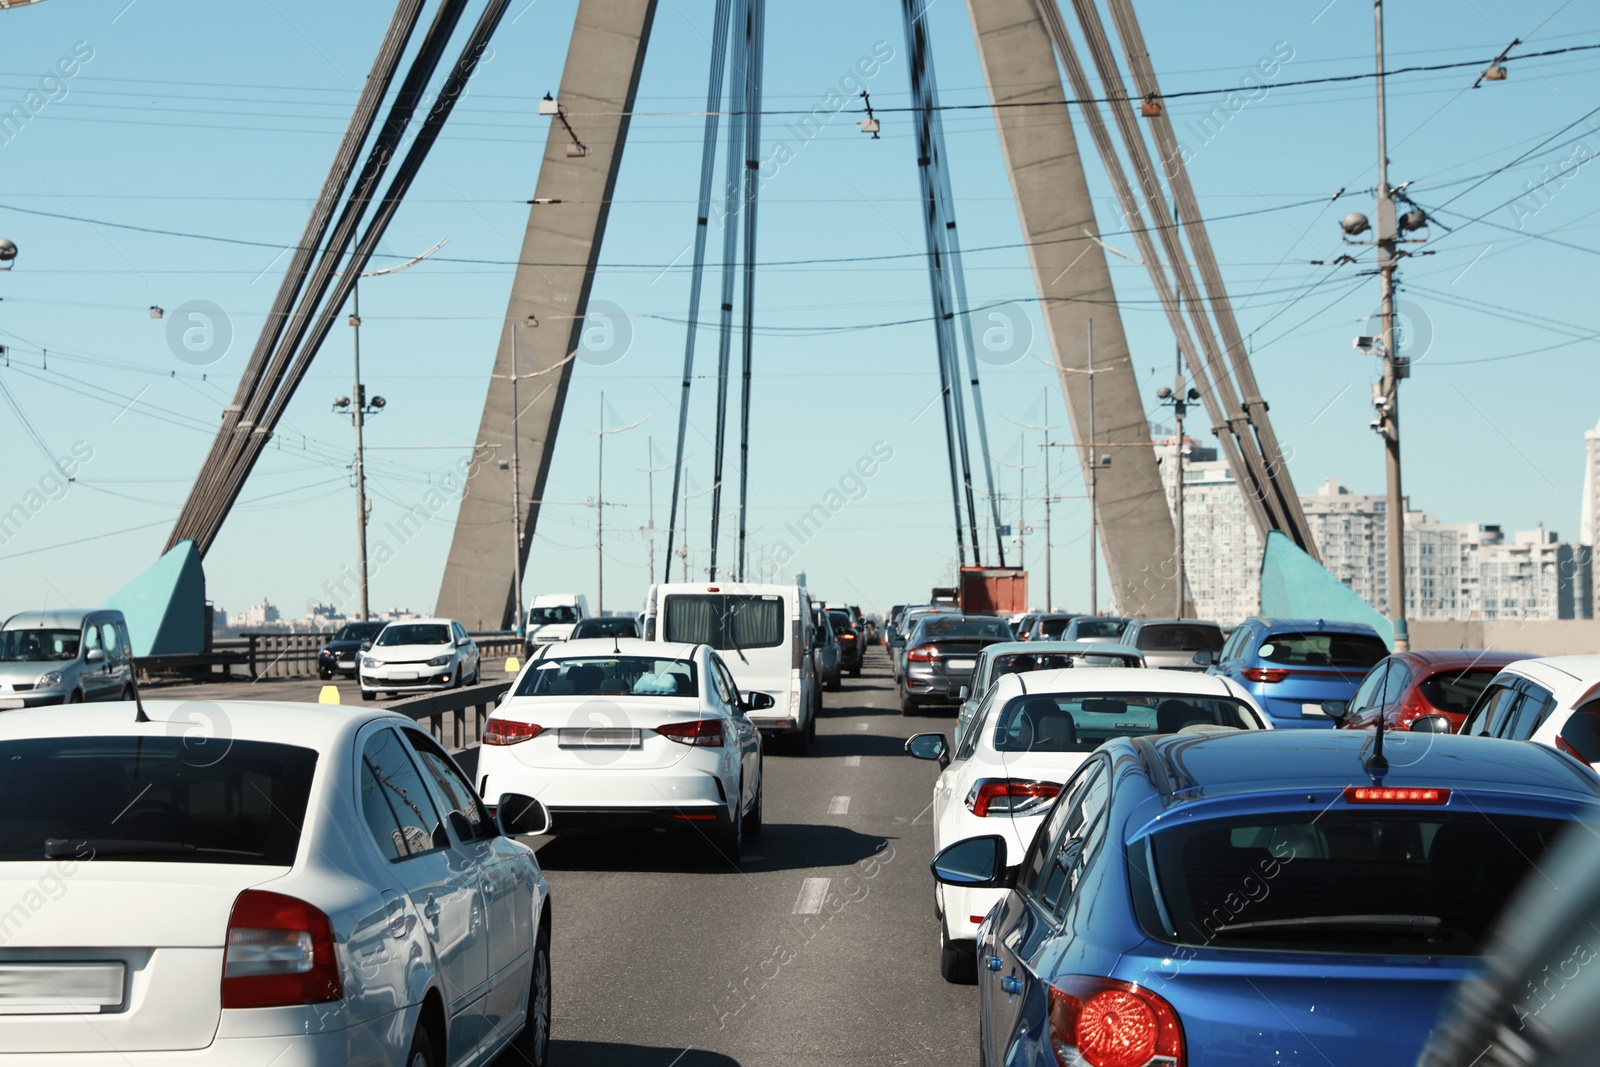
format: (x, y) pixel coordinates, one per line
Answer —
(764, 634)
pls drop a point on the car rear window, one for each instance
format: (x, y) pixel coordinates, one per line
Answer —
(1100, 627)
(1424, 881)
(1081, 722)
(153, 799)
(1053, 627)
(725, 620)
(1456, 691)
(955, 629)
(643, 676)
(1180, 639)
(622, 627)
(1323, 649)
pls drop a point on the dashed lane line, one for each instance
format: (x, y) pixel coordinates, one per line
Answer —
(813, 891)
(839, 806)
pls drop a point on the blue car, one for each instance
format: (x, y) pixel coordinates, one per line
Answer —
(1294, 666)
(1239, 899)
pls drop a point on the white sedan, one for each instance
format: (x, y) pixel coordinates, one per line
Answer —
(1028, 736)
(419, 654)
(248, 883)
(618, 733)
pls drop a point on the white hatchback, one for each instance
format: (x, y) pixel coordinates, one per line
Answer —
(1551, 701)
(419, 654)
(1028, 736)
(246, 883)
(623, 733)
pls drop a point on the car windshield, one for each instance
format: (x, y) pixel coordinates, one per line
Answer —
(558, 613)
(358, 631)
(153, 798)
(1100, 627)
(1457, 691)
(1423, 881)
(1022, 662)
(1081, 722)
(642, 676)
(725, 620)
(32, 646)
(414, 633)
(1323, 649)
(936, 628)
(618, 627)
(1179, 638)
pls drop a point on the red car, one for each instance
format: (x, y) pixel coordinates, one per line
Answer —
(1405, 686)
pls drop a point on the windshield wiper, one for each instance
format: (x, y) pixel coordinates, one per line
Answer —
(90, 847)
(1419, 924)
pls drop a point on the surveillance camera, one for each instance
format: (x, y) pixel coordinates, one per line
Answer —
(1365, 342)
(1194, 394)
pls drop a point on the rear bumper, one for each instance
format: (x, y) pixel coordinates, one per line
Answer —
(929, 688)
(1288, 713)
(706, 817)
(692, 781)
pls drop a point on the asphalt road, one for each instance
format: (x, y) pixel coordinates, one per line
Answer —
(819, 948)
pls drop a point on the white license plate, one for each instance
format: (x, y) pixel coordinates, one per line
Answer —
(1312, 709)
(60, 988)
(346, 664)
(400, 676)
(960, 664)
(9, 703)
(597, 737)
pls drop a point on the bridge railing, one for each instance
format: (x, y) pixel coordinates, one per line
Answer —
(294, 655)
(455, 717)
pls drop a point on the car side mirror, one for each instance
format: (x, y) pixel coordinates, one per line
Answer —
(521, 816)
(1432, 724)
(978, 862)
(94, 655)
(463, 642)
(757, 702)
(1337, 710)
(1204, 658)
(929, 746)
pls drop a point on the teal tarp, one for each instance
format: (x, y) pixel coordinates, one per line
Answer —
(166, 605)
(1295, 586)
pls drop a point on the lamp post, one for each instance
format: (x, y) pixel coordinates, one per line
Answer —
(516, 478)
(1177, 398)
(360, 408)
(8, 253)
(1049, 568)
(600, 503)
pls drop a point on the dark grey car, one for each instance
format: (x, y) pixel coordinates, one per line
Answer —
(940, 654)
(1172, 643)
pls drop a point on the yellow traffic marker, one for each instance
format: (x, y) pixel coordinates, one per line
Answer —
(329, 695)
(512, 665)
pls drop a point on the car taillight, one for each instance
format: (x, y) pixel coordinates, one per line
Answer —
(1009, 796)
(1383, 794)
(1265, 674)
(280, 952)
(847, 636)
(509, 732)
(1105, 1023)
(923, 654)
(702, 732)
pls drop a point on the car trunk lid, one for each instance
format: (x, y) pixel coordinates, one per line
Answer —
(603, 732)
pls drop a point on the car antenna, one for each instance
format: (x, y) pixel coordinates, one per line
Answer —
(1376, 764)
(616, 643)
(138, 704)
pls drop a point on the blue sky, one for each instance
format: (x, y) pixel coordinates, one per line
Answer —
(220, 120)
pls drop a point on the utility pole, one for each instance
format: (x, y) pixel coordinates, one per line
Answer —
(1178, 398)
(600, 504)
(1094, 468)
(358, 416)
(1394, 366)
(1049, 570)
(516, 491)
(650, 473)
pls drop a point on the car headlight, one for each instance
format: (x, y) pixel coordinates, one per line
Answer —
(49, 680)
(370, 661)
(440, 661)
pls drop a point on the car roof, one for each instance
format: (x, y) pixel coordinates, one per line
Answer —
(1561, 674)
(1178, 622)
(1042, 648)
(1212, 765)
(433, 619)
(1462, 658)
(611, 646)
(1112, 680)
(1332, 626)
(64, 617)
(316, 726)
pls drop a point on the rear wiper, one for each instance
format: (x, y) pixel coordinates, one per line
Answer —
(90, 847)
(1420, 924)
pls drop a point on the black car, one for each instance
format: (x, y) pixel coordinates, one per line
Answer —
(605, 626)
(852, 642)
(341, 655)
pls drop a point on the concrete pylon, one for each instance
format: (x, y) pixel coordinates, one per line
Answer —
(1074, 283)
(597, 92)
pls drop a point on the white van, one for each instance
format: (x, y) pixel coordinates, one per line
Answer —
(552, 616)
(764, 635)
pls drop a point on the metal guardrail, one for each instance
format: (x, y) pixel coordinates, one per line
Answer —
(294, 655)
(451, 712)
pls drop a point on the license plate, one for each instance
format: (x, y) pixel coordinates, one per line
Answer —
(399, 676)
(60, 988)
(1312, 709)
(346, 664)
(7, 704)
(960, 664)
(597, 737)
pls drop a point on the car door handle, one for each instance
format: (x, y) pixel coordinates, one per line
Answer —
(430, 910)
(994, 963)
(488, 887)
(1011, 984)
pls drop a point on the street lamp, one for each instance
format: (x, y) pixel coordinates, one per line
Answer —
(8, 254)
(1178, 398)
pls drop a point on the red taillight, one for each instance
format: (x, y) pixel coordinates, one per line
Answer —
(280, 952)
(1009, 796)
(509, 732)
(704, 732)
(847, 636)
(1383, 794)
(1106, 1023)
(923, 654)
(1265, 674)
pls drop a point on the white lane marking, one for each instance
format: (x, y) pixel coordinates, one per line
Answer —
(839, 806)
(864, 726)
(852, 761)
(813, 891)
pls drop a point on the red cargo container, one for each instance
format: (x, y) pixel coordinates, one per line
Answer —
(994, 590)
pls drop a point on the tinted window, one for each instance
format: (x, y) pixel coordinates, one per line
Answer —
(416, 823)
(380, 817)
(242, 803)
(958, 628)
(1445, 874)
(725, 620)
(1173, 637)
(1395, 683)
(452, 790)
(1456, 691)
(1369, 691)
(415, 633)
(38, 645)
(559, 614)
(649, 676)
(1077, 722)
(1099, 627)
(358, 631)
(1491, 707)
(1531, 713)
(1053, 627)
(1059, 826)
(1323, 649)
(610, 627)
